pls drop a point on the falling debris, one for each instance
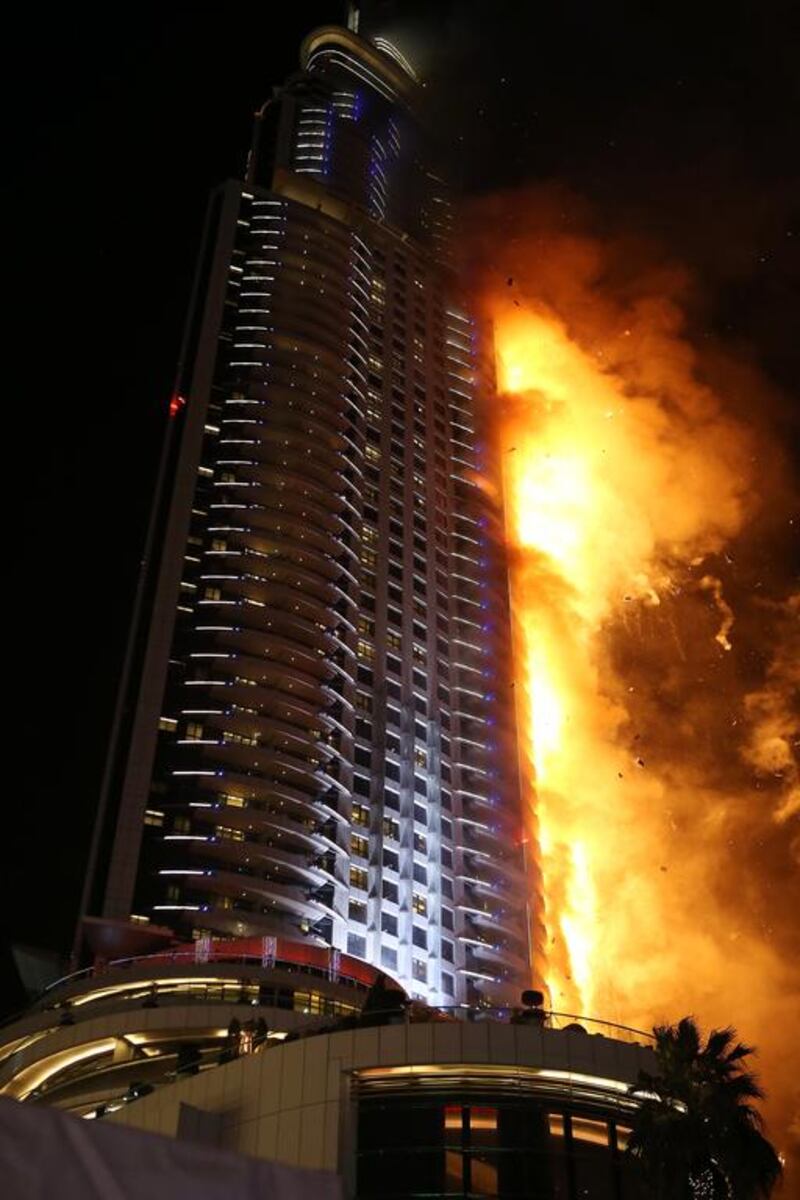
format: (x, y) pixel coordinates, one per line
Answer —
(711, 584)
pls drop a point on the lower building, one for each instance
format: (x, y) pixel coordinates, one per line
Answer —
(312, 1060)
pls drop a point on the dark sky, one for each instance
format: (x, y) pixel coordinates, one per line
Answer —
(677, 121)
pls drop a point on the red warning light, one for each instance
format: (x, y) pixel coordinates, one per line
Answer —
(176, 404)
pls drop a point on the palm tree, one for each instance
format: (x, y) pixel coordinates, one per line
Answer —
(697, 1135)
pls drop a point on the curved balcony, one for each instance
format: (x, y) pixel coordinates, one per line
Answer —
(253, 637)
(296, 748)
(255, 861)
(301, 811)
(288, 573)
(248, 722)
(489, 915)
(295, 502)
(235, 683)
(327, 503)
(269, 893)
(265, 510)
(307, 666)
(306, 838)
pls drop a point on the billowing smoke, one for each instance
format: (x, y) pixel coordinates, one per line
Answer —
(651, 526)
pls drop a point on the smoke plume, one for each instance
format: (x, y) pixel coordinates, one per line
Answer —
(651, 531)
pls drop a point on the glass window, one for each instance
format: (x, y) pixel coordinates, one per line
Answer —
(357, 946)
(358, 878)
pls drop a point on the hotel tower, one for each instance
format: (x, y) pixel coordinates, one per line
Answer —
(315, 738)
(312, 790)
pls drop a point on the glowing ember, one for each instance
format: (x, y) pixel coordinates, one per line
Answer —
(659, 728)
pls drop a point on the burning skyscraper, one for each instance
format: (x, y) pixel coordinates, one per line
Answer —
(314, 736)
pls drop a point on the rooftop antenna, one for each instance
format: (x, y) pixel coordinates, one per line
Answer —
(352, 16)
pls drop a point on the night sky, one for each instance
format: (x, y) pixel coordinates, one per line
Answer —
(677, 122)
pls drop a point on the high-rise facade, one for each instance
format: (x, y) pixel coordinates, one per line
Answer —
(315, 737)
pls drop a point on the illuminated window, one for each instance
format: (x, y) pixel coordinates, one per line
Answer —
(360, 815)
(359, 846)
(194, 730)
(228, 834)
(153, 817)
(358, 878)
(234, 801)
(419, 904)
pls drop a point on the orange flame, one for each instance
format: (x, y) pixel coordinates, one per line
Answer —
(607, 501)
(658, 765)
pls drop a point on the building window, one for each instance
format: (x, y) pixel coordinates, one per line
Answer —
(357, 946)
(228, 834)
(391, 800)
(419, 904)
(419, 970)
(357, 911)
(389, 924)
(388, 958)
(390, 891)
(358, 878)
(360, 815)
(359, 846)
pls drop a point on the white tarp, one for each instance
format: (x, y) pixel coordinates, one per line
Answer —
(45, 1153)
